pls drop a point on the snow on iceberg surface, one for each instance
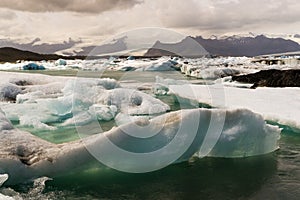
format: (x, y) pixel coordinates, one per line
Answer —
(279, 105)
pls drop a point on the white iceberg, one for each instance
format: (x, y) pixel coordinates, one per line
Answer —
(9, 92)
(163, 140)
(3, 179)
(61, 62)
(56, 99)
(279, 105)
(132, 102)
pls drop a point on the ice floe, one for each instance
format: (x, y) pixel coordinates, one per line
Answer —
(275, 104)
(58, 99)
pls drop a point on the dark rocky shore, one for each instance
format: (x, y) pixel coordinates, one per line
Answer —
(271, 78)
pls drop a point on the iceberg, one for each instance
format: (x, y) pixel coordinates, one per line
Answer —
(60, 62)
(33, 66)
(3, 197)
(9, 92)
(132, 102)
(3, 178)
(5, 124)
(161, 86)
(274, 104)
(57, 100)
(142, 145)
(95, 112)
(214, 73)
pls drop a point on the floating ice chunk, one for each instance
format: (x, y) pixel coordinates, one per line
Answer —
(5, 124)
(245, 134)
(122, 118)
(161, 86)
(38, 187)
(29, 97)
(214, 73)
(103, 112)
(9, 92)
(3, 179)
(30, 114)
(130, 58)
(227, 81)
(33, 66)
(35, 122)
(176, 137)
(95, 112)
(271, 103)
(132, 102)
(164, 66)
(3, 197)
(60, 62)
(160, 89)
(127, 68)
(82, 98)
(108, 83)
(79, 119)
(81, 85)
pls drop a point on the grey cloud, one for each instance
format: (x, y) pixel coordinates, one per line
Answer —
(85, 6)
(7, 15)
(229, 14)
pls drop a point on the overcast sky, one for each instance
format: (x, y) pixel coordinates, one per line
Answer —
(57, 20)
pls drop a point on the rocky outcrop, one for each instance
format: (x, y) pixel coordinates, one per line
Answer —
(271, 78)
(9, 54)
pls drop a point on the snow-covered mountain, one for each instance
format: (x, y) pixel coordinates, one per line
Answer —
(235, 45)
(293, 37)
(249, 44)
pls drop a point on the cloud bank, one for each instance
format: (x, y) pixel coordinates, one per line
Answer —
(85, 6)
(56, 19)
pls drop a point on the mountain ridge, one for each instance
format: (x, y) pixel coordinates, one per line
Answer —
(234, 46)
